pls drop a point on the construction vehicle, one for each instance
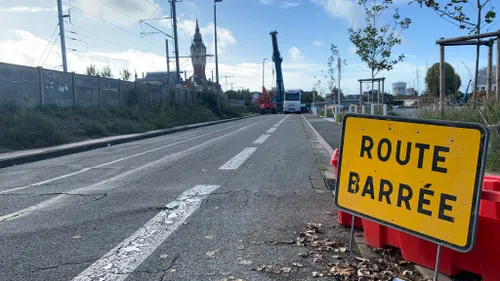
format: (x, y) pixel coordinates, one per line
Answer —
(280, 88)
(265, 103)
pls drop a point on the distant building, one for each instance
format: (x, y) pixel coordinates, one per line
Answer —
(158, 78)
(198, 56)
(399, 88)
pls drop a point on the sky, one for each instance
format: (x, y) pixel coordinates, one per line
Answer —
(107, 32)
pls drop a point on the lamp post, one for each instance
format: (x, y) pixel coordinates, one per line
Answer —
(263, 65)
(216, 57)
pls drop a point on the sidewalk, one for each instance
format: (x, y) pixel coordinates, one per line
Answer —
(328, 129)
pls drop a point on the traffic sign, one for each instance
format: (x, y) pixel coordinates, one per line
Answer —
(420, 176)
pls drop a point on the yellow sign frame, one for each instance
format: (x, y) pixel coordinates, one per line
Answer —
(445, 229)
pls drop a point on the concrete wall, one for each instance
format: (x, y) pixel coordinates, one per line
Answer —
(32, 87)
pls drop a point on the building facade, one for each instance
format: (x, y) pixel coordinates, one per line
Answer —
(198, 55)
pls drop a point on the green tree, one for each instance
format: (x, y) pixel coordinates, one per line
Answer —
(333, 70)
(92, 70)
(125, 74)
(452, 80)
(374, 42)
(231, 94)
(106, 72)
(453, 12)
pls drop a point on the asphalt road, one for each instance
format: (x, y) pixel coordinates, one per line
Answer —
(205, 204)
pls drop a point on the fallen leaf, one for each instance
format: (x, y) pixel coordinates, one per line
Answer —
(303, 255)
(336, 257)
(211, 254)
(245, 262)
(297, 264)
(317, 274)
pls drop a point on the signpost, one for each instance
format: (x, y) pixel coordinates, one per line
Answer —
(419, 176)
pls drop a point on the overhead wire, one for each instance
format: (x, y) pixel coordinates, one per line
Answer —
(48, 54)
(157, 8)
(110, 23)
(48, 43)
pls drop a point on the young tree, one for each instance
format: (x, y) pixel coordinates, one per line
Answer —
(333, 70)
(374, 41)
(453, 12)
(125, 74)
(92, 70)
(106, 72)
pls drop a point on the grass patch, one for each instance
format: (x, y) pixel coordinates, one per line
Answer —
(482, 113)
(49, 126)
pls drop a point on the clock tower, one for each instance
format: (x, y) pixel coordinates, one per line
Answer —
(198, 55)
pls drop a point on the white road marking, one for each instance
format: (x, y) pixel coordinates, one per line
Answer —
(112, 162)
(237, 160)
(272, 130)
(261, 139)
(98, 186)
(276, 125)
(122, 260)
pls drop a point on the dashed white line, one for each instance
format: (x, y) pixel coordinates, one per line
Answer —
(261, 139)
(101, 185)
(239, 159)
(122, 260)
(272, 130)
(112, 162)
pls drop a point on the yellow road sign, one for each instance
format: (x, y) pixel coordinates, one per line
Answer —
(420, 176)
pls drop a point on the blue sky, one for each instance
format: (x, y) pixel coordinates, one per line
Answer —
(306, 29)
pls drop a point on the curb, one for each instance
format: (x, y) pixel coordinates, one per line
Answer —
(61, 151)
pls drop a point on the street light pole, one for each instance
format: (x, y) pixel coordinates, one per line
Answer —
(216, 57)
(263, 65)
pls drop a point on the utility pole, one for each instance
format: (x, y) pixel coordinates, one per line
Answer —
(61, 34)
(176, 40)
(168, 64)
(216, 57)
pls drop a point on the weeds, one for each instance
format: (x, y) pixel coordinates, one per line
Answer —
(50, 125)
(483, 113)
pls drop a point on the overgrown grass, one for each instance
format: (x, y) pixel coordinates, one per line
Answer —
(48, 126)
(483, 113)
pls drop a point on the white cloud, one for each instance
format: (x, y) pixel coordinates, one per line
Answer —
(295, 54)
(24, 9)
(346, 9)
(289, 4)
(317, 43)
(266, 2)
(122, 12)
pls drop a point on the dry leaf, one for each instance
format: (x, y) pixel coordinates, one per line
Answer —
(317, 274)
(245, 262)
(211, 254)
(303, 255)
(297, 264)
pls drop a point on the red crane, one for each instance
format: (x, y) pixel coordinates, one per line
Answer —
(266, 103)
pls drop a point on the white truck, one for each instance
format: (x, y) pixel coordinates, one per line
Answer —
(292, 101)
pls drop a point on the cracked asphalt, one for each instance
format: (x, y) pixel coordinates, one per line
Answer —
(88, 203)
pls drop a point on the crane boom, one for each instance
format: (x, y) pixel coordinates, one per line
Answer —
(277, 59)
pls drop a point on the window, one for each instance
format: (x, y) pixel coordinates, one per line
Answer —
(292, 96)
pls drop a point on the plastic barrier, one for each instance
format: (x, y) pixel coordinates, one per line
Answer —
(483, 260)
(343, 217)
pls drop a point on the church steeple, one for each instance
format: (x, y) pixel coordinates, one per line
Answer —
(197, 35)
(198, 54)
